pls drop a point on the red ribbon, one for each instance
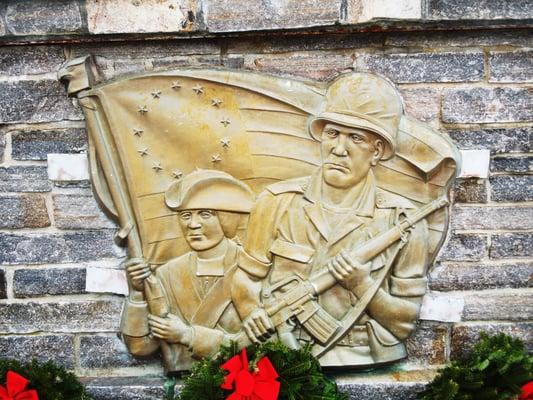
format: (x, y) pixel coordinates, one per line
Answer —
(527, 392)
(14, 389)
(260, 385)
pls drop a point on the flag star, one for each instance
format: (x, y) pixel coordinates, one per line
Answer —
(157, 167)
(215, 158)
(176, 85)
(216, 102)
(198, 89)
(225, 141)
(225, 122)
(156, 94)
(137, 132)
(177, 174)
(142, 110)
(143, 152)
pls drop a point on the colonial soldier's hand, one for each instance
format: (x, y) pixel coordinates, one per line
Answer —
(350, 273)
(170, 329)
(138, 270)
(258, 326)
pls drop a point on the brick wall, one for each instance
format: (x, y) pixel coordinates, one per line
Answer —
(61, 286)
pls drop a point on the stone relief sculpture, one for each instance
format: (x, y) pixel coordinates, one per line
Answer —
(257, 207)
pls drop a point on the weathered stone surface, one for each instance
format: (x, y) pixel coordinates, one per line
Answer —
(135, 388)
(19, 60)
(50, 281)
(207, 60)
(512, 188)
(383, 390)
(450, 277)
(72, 211)
(2, 27)
(61, 316)
(35, 145)
(3, 285)
(428, 343)
(367, 10)
(512, 245)
(506, 306)
(511, 67)
(464, 247)
(57, 348)
(471, 190)
(227, 16)
(23, 211)
(46, 17)
(465, 336)
(503, 140)
(482, 105)
(53, 248)
(506, 218)
(2, 146)
(479, 9)
(24, 179)
(512, 164)
(423, 104)
(35, 101)
(425, 67)
(108, 351)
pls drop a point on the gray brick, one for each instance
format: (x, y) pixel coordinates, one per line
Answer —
(43, 17)
(428, 344)
(511, 67)
(487, 306)
(512, 188)
(35, 101)
(249, 15)
(134, 388)
(79, 212)
(382, 390)
(23, 211)
(465, 336)
(479, 9)
(464, 247)
(35, 145)
(24, 179)
(3, 285)
(2, 146)
(509, 140)
(423, 104)
(43, 348)
(20, 60)
(471, 190)
(482, 105)
(61, 316)
(512, 245)
(54, 248)
(108, 351)
(51, 281)
(492, 218)
(512, 164)
(449, 277)
(426, 67)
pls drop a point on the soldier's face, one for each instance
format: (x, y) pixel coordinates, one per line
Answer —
(201, 228)
(348, 154)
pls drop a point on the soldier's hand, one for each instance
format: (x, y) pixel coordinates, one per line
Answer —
(348, 272)
(258, 326)
(170, 329)
(138, 270)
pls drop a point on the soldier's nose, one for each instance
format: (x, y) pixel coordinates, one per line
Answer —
(340, 146)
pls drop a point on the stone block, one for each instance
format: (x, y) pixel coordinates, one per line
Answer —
(24, 179)
(499, 306)
(27, 60)
(504, 140)
(3, 285)
(68, 316)
(508, 245)
(134, 388)
(56, 348)
(491, 218)
(428, 343)
(512, 164)
(35, 101)
(208, 60)
(465, 336)
(367, 10)
(75, 211)
(479, 9)
(475, 164)
(50, 281)
(450, 277)
(23, 211)
(68, 167)
(55, 248)
(425, 67)
(511, 67)
(511, 188)
(442, 307)
(35, 145)
(2, 27)
(470, 191)
(464, 247)
(106, 280)
(382, 390)
(484, 105)
(2, 146)
(423, 104)
(45, 17)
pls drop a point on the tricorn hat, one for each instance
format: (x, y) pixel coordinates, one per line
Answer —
(365, 101)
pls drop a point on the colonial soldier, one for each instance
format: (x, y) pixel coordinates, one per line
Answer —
(301, 226)
(189, 311)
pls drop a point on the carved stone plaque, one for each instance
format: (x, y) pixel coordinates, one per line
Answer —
(261, 208)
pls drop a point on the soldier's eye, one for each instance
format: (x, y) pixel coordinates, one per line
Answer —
(356, 138)
(185, 216)
(206, 214)
(332, 132)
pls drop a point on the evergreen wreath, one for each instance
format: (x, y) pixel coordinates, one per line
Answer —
(51, 381)
(300, 375)
(495, 370)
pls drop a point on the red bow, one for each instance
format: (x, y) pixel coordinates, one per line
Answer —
(261, 385)
(14, 389)
(527, 391)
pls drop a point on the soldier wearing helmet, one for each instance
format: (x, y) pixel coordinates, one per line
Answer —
(197, 314)
(301, 226)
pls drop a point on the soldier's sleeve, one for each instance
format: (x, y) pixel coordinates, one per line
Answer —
(397, 309)
(135, 330)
